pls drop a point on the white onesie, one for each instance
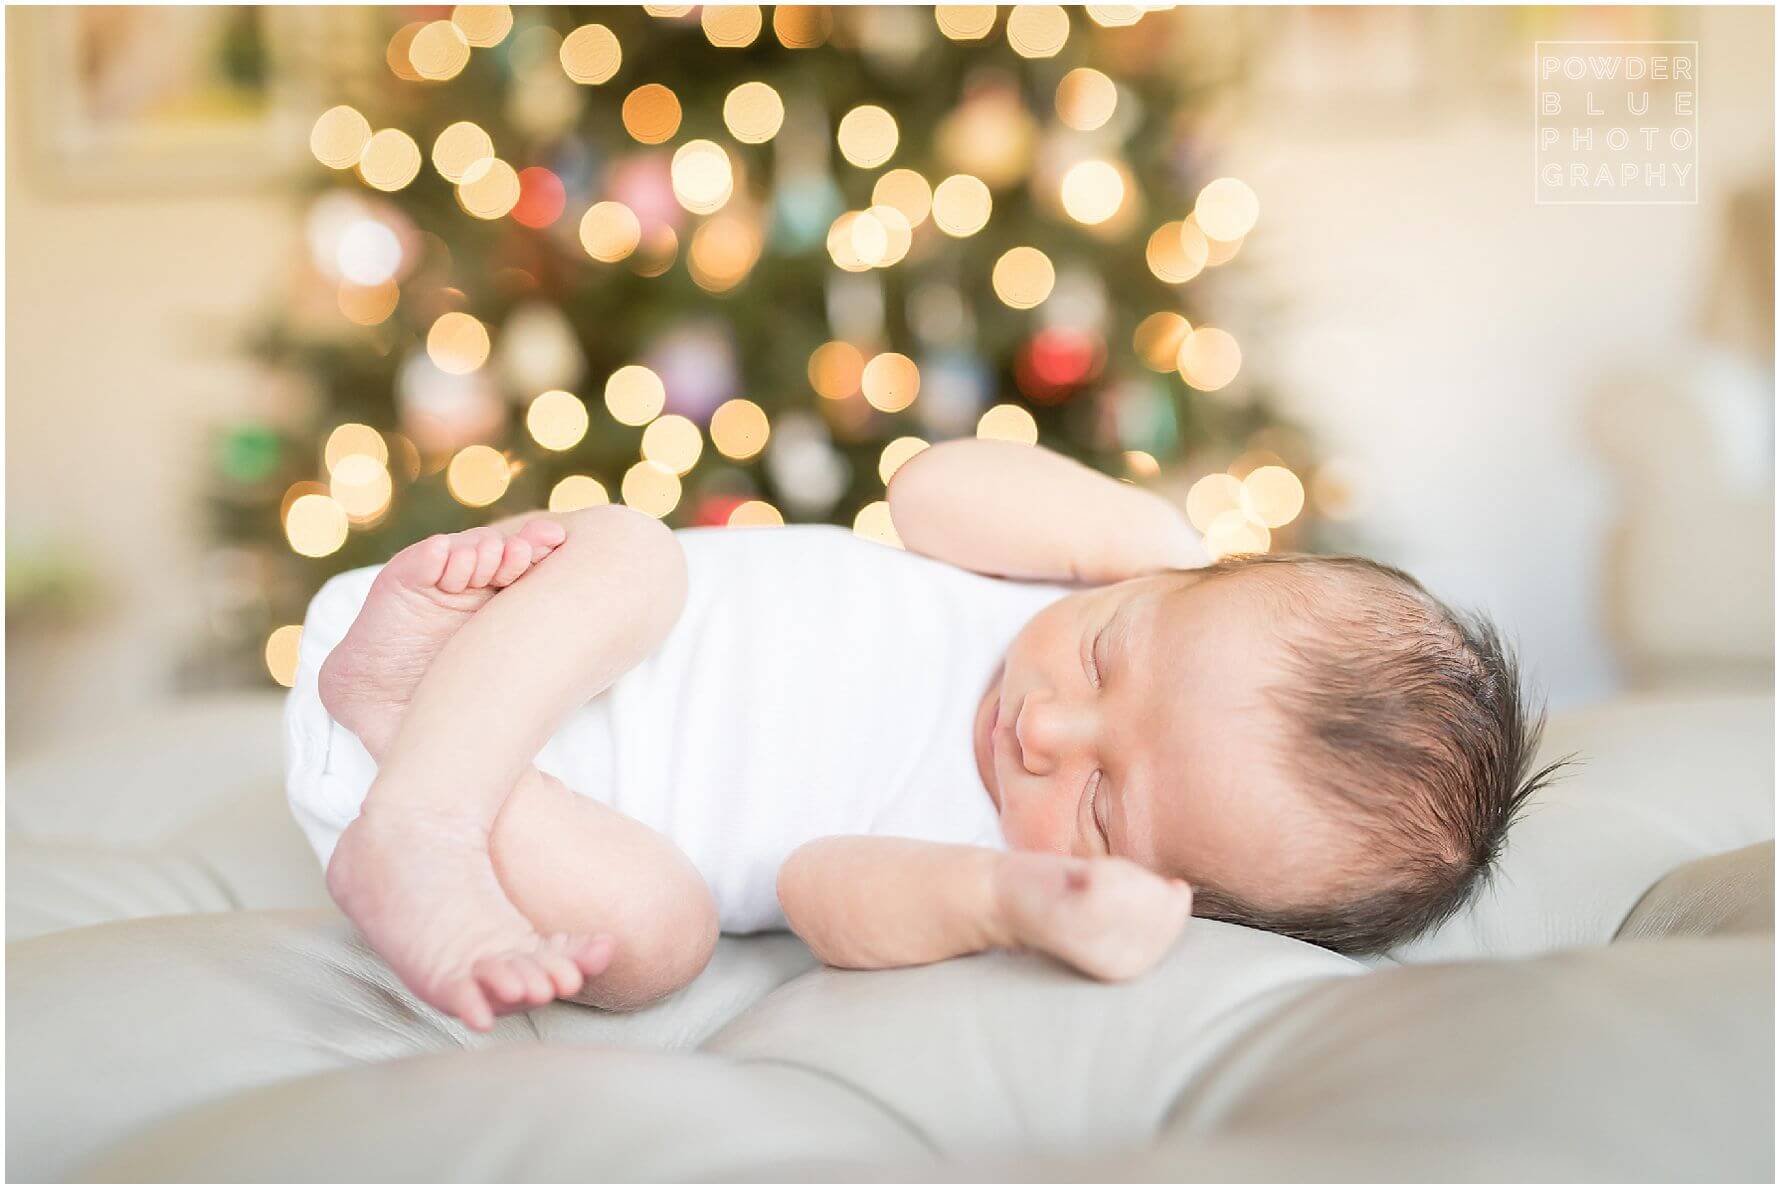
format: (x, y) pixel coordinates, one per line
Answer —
(815, 684)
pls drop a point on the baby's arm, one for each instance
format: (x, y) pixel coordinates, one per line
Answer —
(871, 902)
(1025, 512)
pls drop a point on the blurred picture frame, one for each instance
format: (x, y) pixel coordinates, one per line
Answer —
(168, 99)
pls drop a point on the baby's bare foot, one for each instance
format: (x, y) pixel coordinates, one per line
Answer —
(424, 894)
(417, 602)
(1109, 918)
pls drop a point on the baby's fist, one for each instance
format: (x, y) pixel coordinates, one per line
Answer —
(1109, 918)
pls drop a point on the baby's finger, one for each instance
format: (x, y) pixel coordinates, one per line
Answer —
(490, 549)
(516, 555)
(459, 566)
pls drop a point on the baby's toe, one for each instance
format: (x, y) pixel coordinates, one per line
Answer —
(539, 989)
(591, 954)
(516, 558)
(565, 977)
(464, 999)
(500, 981)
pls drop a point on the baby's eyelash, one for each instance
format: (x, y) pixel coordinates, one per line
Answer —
(1093, 799)
(1093, 665)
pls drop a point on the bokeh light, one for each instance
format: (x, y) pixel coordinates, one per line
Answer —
(723, 251)
(755, 514)
(1211, 497)
(1234, 532)
(961, 205)
(867, 136)
(1158, 340)
(635, 395)
(590, 55)
(483, 25)
(650, 488)
(339, 137)
(657, 253)
(354, 438)
(439, 51)
(1037, 30)
(478, 476)
(1272, 495)
(801, 26)
(703, 179)
(368, 305)
(739, 429)
(651, 114)
(730, 26)
(895, 454)
(1142, 464)
(457, 343)
(1086, 99)
(282, 647)
(835, 369)
(1169, 257)
(1008, 423)
(574, 492)
(556, 419)
(1209, 358)
(1227, 209)
(674, 442)
(1093, 191)
(965, 22)
(1114, 16)
(753, 113)
(460, 148)
(873, 523)
(396, 54)
(390, 160)
(1023, 277)
(491, 190)
(610, 231)
(907, 191)
(890, 382)
(361, 485)
(315, 525)
(541, 197)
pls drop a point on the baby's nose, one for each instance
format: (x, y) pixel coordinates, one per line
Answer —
(1051, 732)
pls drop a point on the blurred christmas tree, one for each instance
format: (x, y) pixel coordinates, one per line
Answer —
(732, 265)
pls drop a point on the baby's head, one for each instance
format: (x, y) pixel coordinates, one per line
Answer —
(1316, 744)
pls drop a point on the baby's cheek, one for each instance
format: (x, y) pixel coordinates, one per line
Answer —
(1040, 824)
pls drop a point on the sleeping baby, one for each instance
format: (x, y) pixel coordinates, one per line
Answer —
(555, 757)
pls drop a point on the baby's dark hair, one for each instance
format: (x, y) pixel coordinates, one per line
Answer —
(1410, 721)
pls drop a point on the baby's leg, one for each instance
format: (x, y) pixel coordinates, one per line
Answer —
(414, 871)
(574, 866)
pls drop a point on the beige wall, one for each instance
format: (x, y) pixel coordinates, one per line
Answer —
(1464, 348)
(120, 319)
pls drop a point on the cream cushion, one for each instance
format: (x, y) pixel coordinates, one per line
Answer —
(184, 1004)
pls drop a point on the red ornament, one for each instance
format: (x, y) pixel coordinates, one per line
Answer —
(541, 197)
(1057, 362)
(716, 509)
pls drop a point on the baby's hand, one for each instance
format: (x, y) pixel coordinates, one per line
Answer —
(1109, 918)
